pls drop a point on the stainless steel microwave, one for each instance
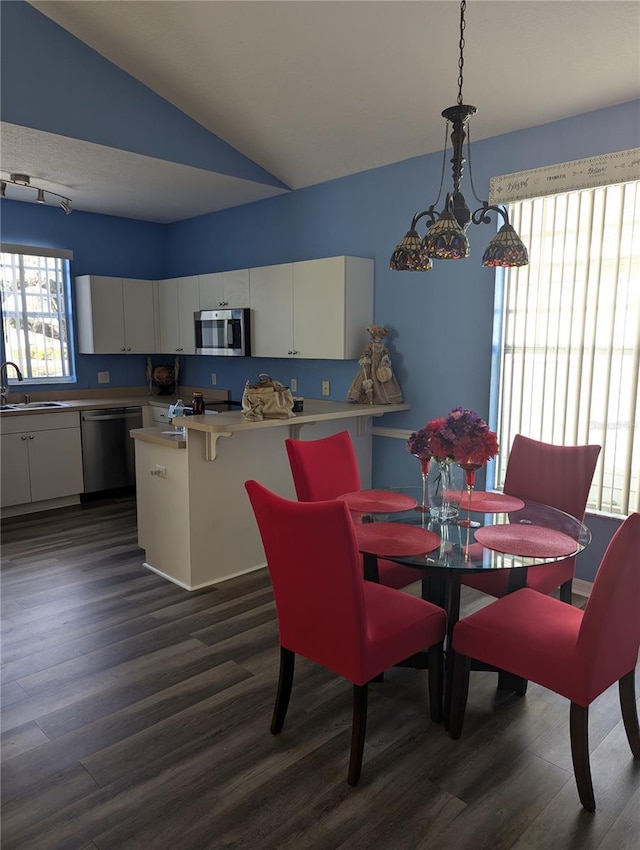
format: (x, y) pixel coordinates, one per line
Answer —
(223, 332)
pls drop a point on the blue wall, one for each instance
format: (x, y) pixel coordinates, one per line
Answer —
(101, 245)
(66, 87)
(440, 322)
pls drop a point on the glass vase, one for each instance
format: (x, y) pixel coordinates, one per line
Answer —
(445, 489)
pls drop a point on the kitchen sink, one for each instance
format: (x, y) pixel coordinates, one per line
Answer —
(34, 405)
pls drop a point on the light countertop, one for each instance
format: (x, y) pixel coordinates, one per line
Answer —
(97, 399)
(315, 410)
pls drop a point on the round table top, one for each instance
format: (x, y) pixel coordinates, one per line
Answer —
(532, 534)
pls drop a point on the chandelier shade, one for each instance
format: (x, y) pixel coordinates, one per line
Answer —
(446, 237)
(409, 256)
(506, 249)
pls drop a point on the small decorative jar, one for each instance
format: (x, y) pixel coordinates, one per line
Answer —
(197, 404)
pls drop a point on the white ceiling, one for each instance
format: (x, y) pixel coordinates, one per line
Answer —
(316, 90)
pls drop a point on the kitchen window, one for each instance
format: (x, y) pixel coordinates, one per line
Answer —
(36, 323)
(567, 340)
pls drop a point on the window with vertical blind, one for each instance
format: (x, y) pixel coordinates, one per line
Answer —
(568, 334)
(35, 312)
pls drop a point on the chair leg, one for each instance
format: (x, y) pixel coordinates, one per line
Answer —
(579, 726)
(565, 592)
(358, 731)
(436, 681)
(510, 682)
(285, 681)
(459, 693)
(627, 688)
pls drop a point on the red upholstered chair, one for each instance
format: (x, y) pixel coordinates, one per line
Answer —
(559, 476)
(329, 614)
(327, 468)
(575, 653)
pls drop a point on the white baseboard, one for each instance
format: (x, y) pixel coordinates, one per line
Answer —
(581, 587)
(206, 583)
(37, 507)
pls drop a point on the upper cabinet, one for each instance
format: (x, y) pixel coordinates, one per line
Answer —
(178, 300)
(272, 311)
(316, 309)
(224, 290)
(115, 315)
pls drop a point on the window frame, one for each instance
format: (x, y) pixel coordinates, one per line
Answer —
(64, 256)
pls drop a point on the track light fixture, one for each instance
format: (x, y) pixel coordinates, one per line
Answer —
(42, 195)
(446, 238)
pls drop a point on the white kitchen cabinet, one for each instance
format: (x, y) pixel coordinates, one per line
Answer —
(160, 415)
(317, 309)
(178, 300)
(223, 290)
(115, 315)
(272, 311)
(41, 457)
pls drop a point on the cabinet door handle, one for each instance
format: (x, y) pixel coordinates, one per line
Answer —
(23, 437)
(123, 348)
(31, 436)
(128, 349)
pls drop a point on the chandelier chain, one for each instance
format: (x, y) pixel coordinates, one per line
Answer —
(463, 6)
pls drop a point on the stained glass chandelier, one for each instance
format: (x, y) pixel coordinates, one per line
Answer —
(446, 237)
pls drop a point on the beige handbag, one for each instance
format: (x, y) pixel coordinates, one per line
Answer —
(266, 399)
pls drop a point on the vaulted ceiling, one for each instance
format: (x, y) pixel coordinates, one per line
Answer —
(312, 91)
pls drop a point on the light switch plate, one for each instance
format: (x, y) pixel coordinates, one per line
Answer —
(326, 388)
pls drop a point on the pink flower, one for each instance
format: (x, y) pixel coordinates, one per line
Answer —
(462, 436)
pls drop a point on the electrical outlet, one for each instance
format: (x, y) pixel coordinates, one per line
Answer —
(326, 388)
(293, 383)
(103, 377)
(214, 379)
(160, 471)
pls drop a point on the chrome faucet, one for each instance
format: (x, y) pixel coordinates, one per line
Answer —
(4, 389)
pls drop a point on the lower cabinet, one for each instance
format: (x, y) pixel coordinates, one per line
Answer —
(41, 458)
(160, 415)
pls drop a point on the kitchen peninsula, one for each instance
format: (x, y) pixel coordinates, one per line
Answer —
(194, 518)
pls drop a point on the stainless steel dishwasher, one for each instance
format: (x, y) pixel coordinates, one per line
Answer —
(108, 458)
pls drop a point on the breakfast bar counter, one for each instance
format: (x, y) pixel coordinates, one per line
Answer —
(194, 518)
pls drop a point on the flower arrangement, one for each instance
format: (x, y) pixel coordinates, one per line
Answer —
(462, 436)
(418, 444)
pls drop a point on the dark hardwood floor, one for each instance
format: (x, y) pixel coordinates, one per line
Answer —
(136, 715)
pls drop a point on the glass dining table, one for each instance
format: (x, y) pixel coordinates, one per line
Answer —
(500, 532)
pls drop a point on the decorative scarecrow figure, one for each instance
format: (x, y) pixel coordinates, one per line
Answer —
(375, 382)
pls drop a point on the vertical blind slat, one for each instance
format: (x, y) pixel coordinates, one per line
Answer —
(570, 358)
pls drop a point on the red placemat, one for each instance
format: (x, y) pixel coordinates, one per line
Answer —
(387, 539)
(378, 501)
(529, 540)
(492, 503)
